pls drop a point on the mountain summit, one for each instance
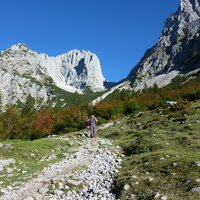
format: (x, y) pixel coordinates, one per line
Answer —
(27, 72)
(177, 51)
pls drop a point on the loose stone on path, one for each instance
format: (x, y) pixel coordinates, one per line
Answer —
(87, 174)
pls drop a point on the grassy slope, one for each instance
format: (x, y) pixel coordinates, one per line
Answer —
(160, 149)
(29, 156)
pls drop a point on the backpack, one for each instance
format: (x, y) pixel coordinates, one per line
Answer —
(92, 121)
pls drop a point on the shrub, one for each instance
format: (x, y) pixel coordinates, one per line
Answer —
(131, 106)
(193, 95)
(181, 104)
(14, 125)
(42, 124)
(67, 120)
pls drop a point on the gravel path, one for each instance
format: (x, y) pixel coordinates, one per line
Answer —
(87, 174)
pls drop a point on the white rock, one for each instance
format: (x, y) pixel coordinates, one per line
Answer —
(107, 125)
(9, 187)
(126, 187)
(60, 186)
(198, 180)
(171, 102)
(43, 190)
(4, 163)
(151, 179)
(157, 195)
(196, 190)
(51, 157)
(197, 163)
(9, 170)
(29, 198)
(69, 193)
(58, 192)
(1, 168)
(174, 164)
(163, 198)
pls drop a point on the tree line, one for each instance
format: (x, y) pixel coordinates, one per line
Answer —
(24, 121)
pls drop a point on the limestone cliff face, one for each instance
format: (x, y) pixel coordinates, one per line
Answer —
(24, 71)
(177, 51)
(82, 69)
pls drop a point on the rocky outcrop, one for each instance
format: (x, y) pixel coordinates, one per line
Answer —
(26, 72)
(177, 51)
(81, 69)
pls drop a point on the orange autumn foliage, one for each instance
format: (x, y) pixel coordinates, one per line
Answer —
(43, 121)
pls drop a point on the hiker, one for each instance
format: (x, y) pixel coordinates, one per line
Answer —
(91, 125)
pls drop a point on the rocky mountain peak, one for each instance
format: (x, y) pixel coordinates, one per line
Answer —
(81, 69)
(178, 42)
(18, 46)
(24, 71)
(189, 11)
(189, 6)
(185, 22)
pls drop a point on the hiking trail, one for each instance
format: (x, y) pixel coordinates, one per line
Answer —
(86, 174)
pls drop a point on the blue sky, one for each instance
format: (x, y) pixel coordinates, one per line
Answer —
(118, 31)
